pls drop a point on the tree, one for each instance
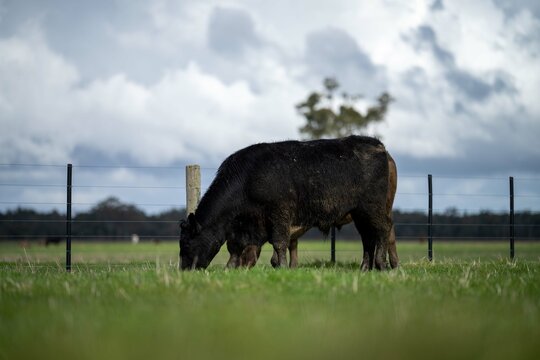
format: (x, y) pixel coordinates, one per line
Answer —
(322, 120)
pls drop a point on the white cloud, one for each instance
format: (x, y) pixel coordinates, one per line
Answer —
(187, 114)
(214, 99)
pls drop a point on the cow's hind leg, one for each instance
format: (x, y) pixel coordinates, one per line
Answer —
(382, 229)
(367, 243)
(392, 250)
(375, 231)
(368, 257)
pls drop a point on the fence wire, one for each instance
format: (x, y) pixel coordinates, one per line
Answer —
(169, 237)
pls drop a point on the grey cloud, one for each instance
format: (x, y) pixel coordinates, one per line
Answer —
(511, 7)
(415, 77)
(482, 158)
(505, 149)
(437, 5)
(333, 52)
(231, 31)
(425, 38)
(459, 108)
(471, 86)
(477, 89)
(84, 154)
(529, 41)
(83, 32)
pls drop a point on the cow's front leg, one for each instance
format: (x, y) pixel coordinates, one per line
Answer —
(280, 247)
(280, 242)
(279, 233)
(293, 253)
(250, 255)
(274, 260)
(234, 261)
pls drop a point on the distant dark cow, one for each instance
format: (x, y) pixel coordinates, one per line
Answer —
(53, 240)
(266, 192)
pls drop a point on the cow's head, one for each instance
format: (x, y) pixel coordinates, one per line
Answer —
(197, 246)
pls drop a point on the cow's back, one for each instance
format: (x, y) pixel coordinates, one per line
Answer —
(318, 181)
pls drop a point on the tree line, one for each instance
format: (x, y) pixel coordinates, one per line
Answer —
(109, 220)
(113, 220)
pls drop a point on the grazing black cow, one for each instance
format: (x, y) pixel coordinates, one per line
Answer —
(266, 191)
(53, 240)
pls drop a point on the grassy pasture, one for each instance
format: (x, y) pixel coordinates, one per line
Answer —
(127, 301)
(85, 253)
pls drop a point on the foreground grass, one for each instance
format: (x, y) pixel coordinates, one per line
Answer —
(450, 309)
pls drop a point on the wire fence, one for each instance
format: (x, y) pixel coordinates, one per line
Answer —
(19, 192)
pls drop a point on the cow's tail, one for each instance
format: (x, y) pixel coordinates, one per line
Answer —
(390, 195)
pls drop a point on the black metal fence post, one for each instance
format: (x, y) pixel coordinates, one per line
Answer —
(512, 228)
(68, 218)
(333, 245)
(430, 218)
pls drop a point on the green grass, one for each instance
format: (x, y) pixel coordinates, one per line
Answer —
(310, 251)
(125, 301)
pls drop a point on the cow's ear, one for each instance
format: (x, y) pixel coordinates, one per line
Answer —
(193, 223)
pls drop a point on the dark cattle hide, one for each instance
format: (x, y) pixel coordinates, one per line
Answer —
(268, 191)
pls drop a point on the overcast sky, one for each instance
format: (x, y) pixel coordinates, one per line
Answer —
(164, 83)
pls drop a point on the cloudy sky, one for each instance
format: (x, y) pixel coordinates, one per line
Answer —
(165, 83)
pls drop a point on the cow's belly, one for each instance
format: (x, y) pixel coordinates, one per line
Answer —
(297, 231)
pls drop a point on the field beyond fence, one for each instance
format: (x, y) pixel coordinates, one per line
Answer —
(166, 253)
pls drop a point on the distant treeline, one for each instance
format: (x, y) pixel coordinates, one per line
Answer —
(112, 220)
(453, 225)
(108, 220)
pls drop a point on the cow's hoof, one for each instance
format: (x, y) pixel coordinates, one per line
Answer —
(364, 266)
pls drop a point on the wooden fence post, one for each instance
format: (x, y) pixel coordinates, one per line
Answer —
(193, 188)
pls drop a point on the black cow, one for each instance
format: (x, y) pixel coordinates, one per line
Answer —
(263, 192)
(53, 240)
(250, 254)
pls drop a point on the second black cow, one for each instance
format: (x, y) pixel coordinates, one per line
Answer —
(267, 191)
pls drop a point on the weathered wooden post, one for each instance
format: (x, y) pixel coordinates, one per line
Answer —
(193, 188)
